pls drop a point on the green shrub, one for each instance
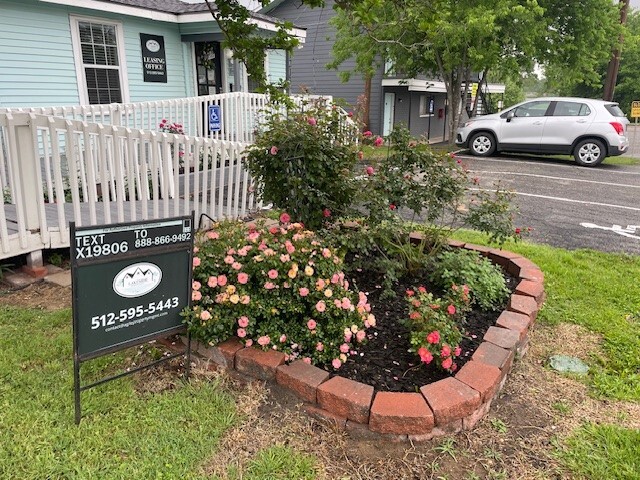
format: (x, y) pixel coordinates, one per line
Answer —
(485, 280)
(281, 288)
(302, 161)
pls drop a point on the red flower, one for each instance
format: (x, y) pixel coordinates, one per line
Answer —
(451, 309)
(517, 231)
(367, 133)
(326, 213)
(433, 337)
(392, 206)
(369, 170)
(410, 293)
(285, 218)
(425, 355)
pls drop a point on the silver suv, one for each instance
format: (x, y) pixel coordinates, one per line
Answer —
(590, 130)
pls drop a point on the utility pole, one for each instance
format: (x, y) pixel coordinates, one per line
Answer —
(614, 63)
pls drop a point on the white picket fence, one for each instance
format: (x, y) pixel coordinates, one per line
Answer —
(54, 170)
(102, 164)
(240, 114)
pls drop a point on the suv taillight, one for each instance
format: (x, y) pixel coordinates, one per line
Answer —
(618, 127)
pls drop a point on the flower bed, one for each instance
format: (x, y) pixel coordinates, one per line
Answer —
(443, 407)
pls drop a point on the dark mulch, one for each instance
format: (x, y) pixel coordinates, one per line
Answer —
(385, 361)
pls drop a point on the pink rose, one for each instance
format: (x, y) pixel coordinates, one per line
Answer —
(367, 133)
(283, 338)
(446, 351)
(433, 337)
(212, 282)
(205, 315)
(457, 351)
(196, 285)
(360, 336)
(451, 309)
(378, 141)
(311, 121)
(446, 364)
(344, 348)
(248, 343)
(369, 170)
(392, 206)
(304, 292)
(326, 213)
(264, 340)
(274, 150)
(241, 332)
(319, 346)
(311, 324)
(196, 262)
(336, 363)
(285, 217)
(245, 299)
(321, 306)
(243, 278)
(222, 280)
(213, 235)
(307, 360)
(272, 274)
(236, 265)
(229, 260)
(425, 355)
(269, 286)
(196, 295)
(243, 321)
(346, 303)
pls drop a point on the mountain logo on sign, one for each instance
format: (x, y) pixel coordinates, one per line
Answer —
(137, 280)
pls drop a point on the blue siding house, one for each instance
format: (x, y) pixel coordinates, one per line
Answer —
(82, 52)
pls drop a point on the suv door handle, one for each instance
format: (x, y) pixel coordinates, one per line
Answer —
(581, 121)
(537, 122)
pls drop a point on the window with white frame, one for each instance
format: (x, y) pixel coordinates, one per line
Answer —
(98, 52)
(426, 105)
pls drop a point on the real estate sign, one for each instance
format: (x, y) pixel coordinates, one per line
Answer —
(130, 283)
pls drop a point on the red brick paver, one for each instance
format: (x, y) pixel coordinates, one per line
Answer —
(346, 398)
(483, 378)
(259, 364)
(301, 378)
(400, 413)
(450, 400)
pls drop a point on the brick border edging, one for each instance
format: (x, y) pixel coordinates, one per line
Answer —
(443, 407)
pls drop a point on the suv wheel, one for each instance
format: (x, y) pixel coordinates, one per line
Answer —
(589, 152)
(482, 144)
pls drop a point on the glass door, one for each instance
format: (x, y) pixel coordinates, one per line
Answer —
(208, 68)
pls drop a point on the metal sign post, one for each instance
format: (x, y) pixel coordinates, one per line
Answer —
(130, 283)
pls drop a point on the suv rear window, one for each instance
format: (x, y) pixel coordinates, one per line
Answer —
(614, 110)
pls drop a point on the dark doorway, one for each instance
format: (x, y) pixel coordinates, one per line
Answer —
(208, 68)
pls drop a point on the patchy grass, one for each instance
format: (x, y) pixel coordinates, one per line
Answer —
(124, 434)
(603, 451)
(596, 291)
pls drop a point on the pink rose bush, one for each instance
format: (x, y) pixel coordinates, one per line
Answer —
(278, 298)
(435, 325)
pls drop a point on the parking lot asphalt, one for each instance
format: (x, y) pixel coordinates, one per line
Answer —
(567, 205)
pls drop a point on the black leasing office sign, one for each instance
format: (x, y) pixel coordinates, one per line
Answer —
(130, 282)
(154, 58)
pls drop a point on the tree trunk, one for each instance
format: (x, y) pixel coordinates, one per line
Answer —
(366, 107)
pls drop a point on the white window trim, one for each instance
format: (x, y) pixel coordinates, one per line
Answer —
(83, 93)
(425, 115)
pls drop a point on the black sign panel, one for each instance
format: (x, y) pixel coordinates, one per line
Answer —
(130, 283)
(154, 58)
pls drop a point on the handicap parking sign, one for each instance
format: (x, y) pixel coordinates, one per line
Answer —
(215, 123)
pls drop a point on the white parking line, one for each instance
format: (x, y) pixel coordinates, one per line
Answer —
(561, 199)
(555, 178)
(523, 162)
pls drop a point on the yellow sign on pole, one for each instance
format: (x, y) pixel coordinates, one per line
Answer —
(635, 109)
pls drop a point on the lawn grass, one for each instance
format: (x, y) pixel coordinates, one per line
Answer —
(600, 292)
(123, 434)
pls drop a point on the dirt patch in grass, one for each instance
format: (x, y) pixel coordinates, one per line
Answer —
(40, 295)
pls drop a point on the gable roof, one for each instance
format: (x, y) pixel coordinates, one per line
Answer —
(173, 11)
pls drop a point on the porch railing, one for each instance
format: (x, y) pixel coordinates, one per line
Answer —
(54, 170)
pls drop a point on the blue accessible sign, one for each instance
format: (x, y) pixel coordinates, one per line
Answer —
(215, 122)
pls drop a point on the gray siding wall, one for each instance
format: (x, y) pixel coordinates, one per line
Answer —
(407, 113)
(308, 64)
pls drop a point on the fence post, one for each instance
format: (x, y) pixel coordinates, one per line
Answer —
(28, 177)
